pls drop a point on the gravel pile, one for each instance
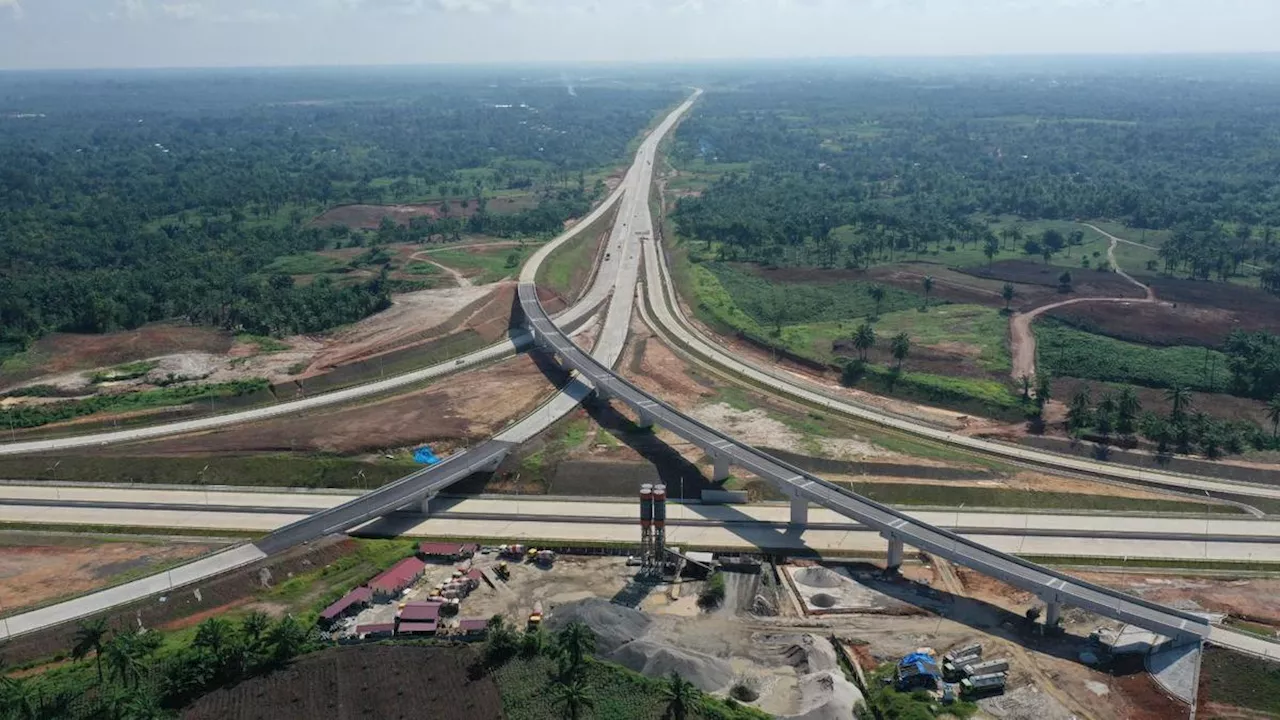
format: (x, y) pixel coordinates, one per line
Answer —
(656, 659)
(614, 625)
(819, 577)
(825, 693)
(620, 638)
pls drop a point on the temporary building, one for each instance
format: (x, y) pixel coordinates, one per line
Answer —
(348, 603)
(419, 611)
(416, 628)
(400, 576)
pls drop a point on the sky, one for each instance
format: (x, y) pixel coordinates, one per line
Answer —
(221, 33)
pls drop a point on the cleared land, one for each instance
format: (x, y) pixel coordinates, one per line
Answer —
(38, 569)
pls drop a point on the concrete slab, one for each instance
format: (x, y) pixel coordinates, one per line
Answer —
(1177, 669)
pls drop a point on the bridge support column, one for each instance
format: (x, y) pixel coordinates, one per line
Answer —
(1052, 613)
(643, 419)
(721, 471)
(894, 557)
(425, 506)
(799, 511)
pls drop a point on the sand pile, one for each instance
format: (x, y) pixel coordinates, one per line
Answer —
(620, 638)
(827, 695)
(819, 577)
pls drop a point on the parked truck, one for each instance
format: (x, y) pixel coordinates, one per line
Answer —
(982, 685)
(535, 617)
(986, 668)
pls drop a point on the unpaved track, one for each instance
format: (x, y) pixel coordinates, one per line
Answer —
(462, 280)
(1022, 342)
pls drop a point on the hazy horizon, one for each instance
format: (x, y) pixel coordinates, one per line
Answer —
(129, 34)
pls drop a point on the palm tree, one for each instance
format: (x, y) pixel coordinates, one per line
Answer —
(1008, 293)
(900, 346)
(681, 696)
(574, 696)
(124, 658)
(928, 289)
(1128, 404)
(864, 339)
(574, 643)
(1025, 380)
(1273, 414)
(1078, 412)
(253, 629)
(1179, 397)
(877, 294)
(1044, 389)
(288, 638)
(991, 248)
(90, 636)
(1013, 234)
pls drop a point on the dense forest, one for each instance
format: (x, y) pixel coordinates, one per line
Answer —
(132, 197)
(913, 161)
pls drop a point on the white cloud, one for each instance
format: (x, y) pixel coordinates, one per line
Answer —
(182, 10)
(14, 6)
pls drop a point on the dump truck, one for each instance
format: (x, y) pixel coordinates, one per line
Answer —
(980, 685)
(953, 662)
(986, 668)
(535, 617)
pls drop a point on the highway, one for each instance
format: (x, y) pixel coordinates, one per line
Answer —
(1054, 587)
(671, 323)
(547, 519)
(615, 279)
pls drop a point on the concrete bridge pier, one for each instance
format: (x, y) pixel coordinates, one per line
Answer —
(643, 420)
(721, 471)
(893, 559)
(1052, 614)
(424, 506)
(799, 511)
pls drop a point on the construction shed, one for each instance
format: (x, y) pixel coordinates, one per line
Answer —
(348, 604)
(473, 627)
(446, 550)
(394, 581)
(917, 670)
(416, 628)
(376, 630)
(419, 612)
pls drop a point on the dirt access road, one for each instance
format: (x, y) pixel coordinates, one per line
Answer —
(1022, 342)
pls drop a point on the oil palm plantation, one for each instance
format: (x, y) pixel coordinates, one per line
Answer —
(900, 347)
(574, 643)
(90, 636)
(681, 696)
(863, 340)
(574, 696)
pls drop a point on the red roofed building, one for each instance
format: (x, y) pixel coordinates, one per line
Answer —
(420, 612)
(449, 551)
(348, 603)
(376, 630)
(417, 628)
(394, 581)
(473, 627)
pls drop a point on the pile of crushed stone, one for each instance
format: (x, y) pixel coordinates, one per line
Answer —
(620, 638)
(819, 577)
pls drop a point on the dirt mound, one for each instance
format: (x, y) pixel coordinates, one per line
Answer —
(614, 625)
(656, 659)
(818, 577)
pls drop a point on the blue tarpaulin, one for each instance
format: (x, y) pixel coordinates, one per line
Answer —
(424, 456)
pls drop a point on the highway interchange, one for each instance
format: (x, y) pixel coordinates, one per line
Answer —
(632, 234)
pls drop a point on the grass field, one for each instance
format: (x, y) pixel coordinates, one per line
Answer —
(1239, 681)
(567, 269)
(254, 470)
(979, 327)
(37, 415)
(485, 267)
(1067, 352)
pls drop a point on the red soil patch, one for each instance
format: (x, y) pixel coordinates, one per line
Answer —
(67, 352)
(1162, 323)
(1248, 301)
(1086, 283)
(35, 574)
(471, 406)
(364, 681)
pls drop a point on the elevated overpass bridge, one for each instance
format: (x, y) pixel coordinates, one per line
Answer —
(1055, 588)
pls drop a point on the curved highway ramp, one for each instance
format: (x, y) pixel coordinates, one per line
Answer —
(1055, 588)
